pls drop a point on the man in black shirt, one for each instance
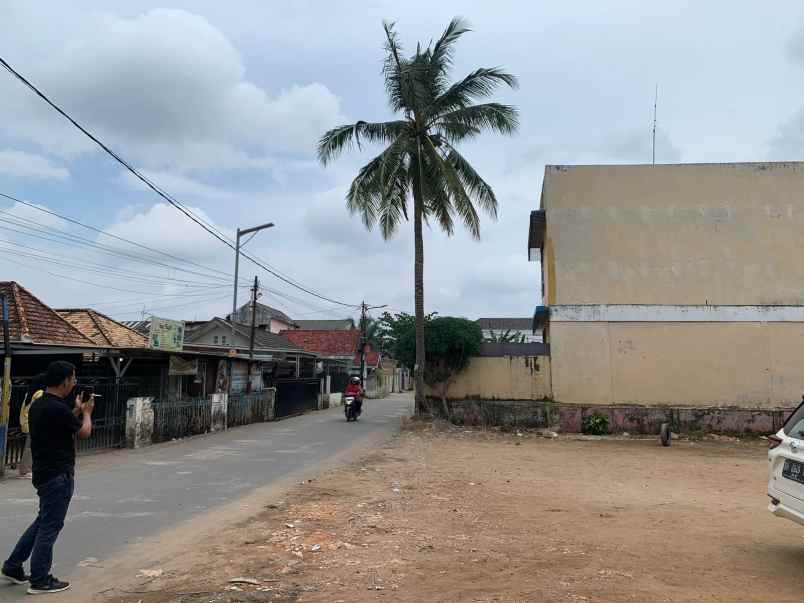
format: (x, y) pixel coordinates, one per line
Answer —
(53, 427)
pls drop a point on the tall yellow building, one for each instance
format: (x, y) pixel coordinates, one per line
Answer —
(673, 285)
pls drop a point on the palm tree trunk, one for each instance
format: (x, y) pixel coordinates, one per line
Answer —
(418, 278)
(421, 402)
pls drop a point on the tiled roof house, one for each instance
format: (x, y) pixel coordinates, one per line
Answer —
(329, 344)
(102, 330)
(33, 322)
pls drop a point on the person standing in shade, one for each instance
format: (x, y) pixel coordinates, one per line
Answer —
(35, 391)
(53, 429)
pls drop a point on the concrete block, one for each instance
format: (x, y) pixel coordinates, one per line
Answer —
(220, 405)
(139, 422)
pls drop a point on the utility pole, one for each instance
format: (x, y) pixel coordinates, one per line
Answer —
(254, 290)
(363, 312)
(241, 232)
(5, 410)
(653, 137)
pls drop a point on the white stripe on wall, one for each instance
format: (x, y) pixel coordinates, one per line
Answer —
(637, 313)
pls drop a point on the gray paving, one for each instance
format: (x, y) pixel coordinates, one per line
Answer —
(124, 496)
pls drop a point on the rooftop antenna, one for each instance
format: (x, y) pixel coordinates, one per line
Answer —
(653, 134)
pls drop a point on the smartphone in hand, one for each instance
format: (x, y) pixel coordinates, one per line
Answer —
(86, 393)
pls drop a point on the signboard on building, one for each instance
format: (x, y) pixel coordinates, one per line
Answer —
(182, 366)
(166, 335)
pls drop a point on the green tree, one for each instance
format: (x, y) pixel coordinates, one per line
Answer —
(394, 330)
(420, 160)
(451, 343)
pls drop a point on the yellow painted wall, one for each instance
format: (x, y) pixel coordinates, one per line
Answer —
(502, 378)
(748, 364)
(726, 234)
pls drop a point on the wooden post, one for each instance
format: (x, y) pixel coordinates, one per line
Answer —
(5, 409)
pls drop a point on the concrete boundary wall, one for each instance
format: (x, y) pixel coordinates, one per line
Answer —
(634, 419)
(501, 378)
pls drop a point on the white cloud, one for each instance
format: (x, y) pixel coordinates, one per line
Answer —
(34, 216)
(636, 147)
(163, 227)
(19, 164)
(788, 143)
(330, 224)
(177, 184)
(168, 90)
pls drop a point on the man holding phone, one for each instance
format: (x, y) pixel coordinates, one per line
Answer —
(53, 428)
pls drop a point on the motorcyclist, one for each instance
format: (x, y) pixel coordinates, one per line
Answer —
(355, 389)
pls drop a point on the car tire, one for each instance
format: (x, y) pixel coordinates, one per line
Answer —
(665, 435)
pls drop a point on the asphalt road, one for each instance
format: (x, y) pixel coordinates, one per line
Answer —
(124, 496)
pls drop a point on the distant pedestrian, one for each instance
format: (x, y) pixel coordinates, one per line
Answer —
(35, 391)
(53, 428)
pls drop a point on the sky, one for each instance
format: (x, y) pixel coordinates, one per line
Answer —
(221, 105)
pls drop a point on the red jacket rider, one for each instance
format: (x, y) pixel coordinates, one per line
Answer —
(354, 389)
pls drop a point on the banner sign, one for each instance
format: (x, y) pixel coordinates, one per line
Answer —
(166, 335)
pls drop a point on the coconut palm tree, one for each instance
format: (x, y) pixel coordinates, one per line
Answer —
(420, 160)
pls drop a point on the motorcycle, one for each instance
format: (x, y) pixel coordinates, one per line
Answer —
(351, 408)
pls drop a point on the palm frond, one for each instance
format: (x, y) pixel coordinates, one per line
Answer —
(479, 84)
(436, 196)
(375, 183)
(478, 189)
(454, 188)
(393, 206)
(442, 55)
(470, 120)
(342, 138)
(392, 69)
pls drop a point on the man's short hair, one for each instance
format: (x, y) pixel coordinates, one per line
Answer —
(38, 382)
(58, 372)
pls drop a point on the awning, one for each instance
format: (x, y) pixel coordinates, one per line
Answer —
(541, 316)
(538, 225)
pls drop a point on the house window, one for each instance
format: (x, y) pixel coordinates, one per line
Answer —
(215, 340)
(223, 339)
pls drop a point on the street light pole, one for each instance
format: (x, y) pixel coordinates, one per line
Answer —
(240, 233)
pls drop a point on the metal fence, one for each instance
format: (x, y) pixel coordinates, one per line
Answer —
(16, 439)
(109, 416)
(108, 419)
(249, 408)
(296, 396)
(338, 382)
(175, 419)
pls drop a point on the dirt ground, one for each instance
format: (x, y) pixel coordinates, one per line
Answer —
(447, 514)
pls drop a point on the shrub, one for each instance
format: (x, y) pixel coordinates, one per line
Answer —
(595, 424)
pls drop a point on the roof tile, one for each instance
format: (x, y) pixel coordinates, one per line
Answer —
(31, 321)
(325, 343)
(103, 330)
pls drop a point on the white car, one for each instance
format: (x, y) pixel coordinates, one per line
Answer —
(786, 458)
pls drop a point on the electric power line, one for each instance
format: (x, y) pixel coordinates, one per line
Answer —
(111, 235)
(105, 269)
(178, 205)
(56, 235)
(211, 230)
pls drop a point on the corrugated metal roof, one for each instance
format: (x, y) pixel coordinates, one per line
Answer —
(504, 324)
(344, 324)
